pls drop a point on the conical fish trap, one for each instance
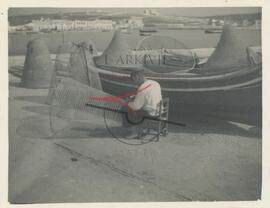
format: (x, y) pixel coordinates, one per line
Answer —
(75, 62)
(75, 95)
(74, 101)
(117, 54)
(230, 53)
(38, 66)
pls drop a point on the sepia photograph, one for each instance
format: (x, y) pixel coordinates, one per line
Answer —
(134, 104)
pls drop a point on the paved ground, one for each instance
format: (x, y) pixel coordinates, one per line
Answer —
(207, 160)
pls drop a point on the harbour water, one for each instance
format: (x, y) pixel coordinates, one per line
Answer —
(189, 38)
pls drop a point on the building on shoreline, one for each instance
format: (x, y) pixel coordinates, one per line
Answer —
(64, 25)
(82, 25)
(135, 22)
(150, 12)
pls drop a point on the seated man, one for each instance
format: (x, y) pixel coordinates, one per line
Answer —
(148, 98)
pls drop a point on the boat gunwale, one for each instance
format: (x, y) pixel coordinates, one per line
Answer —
(189, 77)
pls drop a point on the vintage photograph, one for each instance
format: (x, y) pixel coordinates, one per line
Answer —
(134, 104)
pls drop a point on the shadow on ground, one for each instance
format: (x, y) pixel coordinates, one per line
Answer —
(207, 125)
(57, 128)
(95, 126)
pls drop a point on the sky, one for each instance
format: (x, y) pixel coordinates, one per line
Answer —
(195, 12)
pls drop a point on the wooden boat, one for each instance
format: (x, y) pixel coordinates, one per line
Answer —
(126, 31)
(32, 32)
(225, 86)
(210, 31)
(235, 95)
(145, 34)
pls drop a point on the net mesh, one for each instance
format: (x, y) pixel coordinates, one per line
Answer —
(76, 61)
(62, 64)
(230, 53)
(74, 82)
(117, 54)
(254, 55)
(74, 97)
(73, 101)
(38, 67)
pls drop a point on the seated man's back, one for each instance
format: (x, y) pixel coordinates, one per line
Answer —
(148, 98)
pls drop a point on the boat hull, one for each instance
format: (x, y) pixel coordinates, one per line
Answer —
(237, 98)
(211, 31)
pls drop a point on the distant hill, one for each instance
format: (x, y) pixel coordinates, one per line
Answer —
(237, 17)
(24, 19)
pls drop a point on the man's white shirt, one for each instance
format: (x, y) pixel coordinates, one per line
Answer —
(148, 98)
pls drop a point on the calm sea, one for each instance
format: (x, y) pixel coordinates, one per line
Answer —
(189, 38)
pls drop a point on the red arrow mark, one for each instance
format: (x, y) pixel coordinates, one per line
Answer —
(116, 99)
